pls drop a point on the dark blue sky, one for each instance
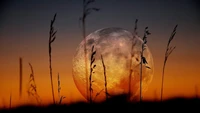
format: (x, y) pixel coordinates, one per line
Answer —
(32, 14)
(27, 21)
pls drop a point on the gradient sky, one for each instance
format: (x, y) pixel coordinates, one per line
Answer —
(24, 28)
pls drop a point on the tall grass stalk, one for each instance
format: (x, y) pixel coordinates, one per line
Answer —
(32, 89)
(52, 37)
(20, 77)
(131, 70)
(59, 89)
(86, 12)
(169, 50)
(10, 100)
(97, 94)
(105, 79)
(143, 59)
(92, 67)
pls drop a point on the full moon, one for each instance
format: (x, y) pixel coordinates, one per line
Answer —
(121, 52)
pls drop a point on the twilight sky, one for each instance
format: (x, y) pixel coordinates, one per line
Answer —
(24, 28)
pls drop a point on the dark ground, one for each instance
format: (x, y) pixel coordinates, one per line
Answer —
(116, 104)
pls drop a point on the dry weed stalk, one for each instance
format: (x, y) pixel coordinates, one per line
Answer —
(86, 12)
(98, 93)
(143, 59)
(59, 89)
(20, 77)
(104, 72)
(168, 51)
(52, 37)
(92, 67)
(131, 70)
(32, 89)
(10, 100)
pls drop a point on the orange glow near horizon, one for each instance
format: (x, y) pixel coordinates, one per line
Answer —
(177, 79)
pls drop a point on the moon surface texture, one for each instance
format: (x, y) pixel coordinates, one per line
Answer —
(115, 46)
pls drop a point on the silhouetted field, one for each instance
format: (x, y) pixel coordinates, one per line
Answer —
(117, 104)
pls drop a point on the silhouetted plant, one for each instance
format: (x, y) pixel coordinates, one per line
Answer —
(98, 93)
(131, 70)
(10, 100)
(135, 28)
(52, 37)
(143, 59)
(86, 12)
(59, 89)
(20, 77)
(32, 89)
(105, 80)
(168, 51)
(92, 67)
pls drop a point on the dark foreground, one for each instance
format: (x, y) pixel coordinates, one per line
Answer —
(117, 104)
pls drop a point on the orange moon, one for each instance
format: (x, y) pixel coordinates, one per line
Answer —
(114, 44)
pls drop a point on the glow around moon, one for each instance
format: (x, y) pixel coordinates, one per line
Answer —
(114, 44)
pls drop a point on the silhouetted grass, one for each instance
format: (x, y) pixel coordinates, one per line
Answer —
(59, 89)
(168, 51)
(92, 67)
(52, 37)
(86, 11)
(20, 77)
(10, 100)
(132, 54)
(115, 104)
(105, 79)
(143, 59)
(32, 89)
